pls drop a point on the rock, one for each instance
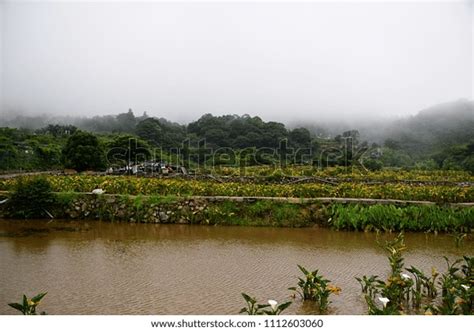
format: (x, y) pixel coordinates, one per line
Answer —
(163, 216)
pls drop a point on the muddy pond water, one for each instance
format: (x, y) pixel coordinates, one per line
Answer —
(125, 268)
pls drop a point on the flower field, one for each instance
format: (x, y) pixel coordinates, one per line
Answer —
(346, 173)
(186, 187)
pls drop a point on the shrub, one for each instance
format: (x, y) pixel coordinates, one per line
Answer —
(373, 165)
(32, 198)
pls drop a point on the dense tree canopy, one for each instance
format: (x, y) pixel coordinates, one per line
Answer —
(161, 133)
(441, 137)
(238, 131)
(83, 152)
(127, 150)
(23, 149)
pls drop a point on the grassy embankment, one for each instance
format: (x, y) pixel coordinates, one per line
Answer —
(145, 197)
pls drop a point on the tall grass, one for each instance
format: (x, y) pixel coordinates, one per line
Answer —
(407, 218)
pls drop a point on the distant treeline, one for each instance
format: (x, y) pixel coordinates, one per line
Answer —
(441, 137)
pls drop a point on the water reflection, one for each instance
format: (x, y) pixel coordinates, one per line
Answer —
(125, 268)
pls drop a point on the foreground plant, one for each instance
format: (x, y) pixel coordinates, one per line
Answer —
(424, 286)
(367, 285)
(398, 286)
(402, 292)
(459, 238)
(388, 308)
(396, 290)
(28, 306)
(457, 288)
(254, 308)
(314, 287)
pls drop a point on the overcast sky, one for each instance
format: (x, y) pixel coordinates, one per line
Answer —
(281, 61)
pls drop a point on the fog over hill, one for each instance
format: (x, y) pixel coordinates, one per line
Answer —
(442, 124)
(446, 123)
(308, 62)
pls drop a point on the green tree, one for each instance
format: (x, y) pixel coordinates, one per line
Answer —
(127, 150)
(83, 152)
(468, 164)
(160, 132)
(150, 130)
(8, 154)
(126, 121)
(372, 164)
(300, 137)
(395, 158)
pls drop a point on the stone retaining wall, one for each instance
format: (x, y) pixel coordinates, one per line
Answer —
(192, 210)
(223, 210)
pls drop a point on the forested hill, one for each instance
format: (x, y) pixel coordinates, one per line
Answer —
(438, 137)
(435, 128)
(441, 125)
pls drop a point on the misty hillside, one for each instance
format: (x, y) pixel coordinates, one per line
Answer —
(435, 128)
(440, 137)
(432, 129)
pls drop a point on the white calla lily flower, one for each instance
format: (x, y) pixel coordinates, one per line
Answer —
(273, 304)
(384, 301)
